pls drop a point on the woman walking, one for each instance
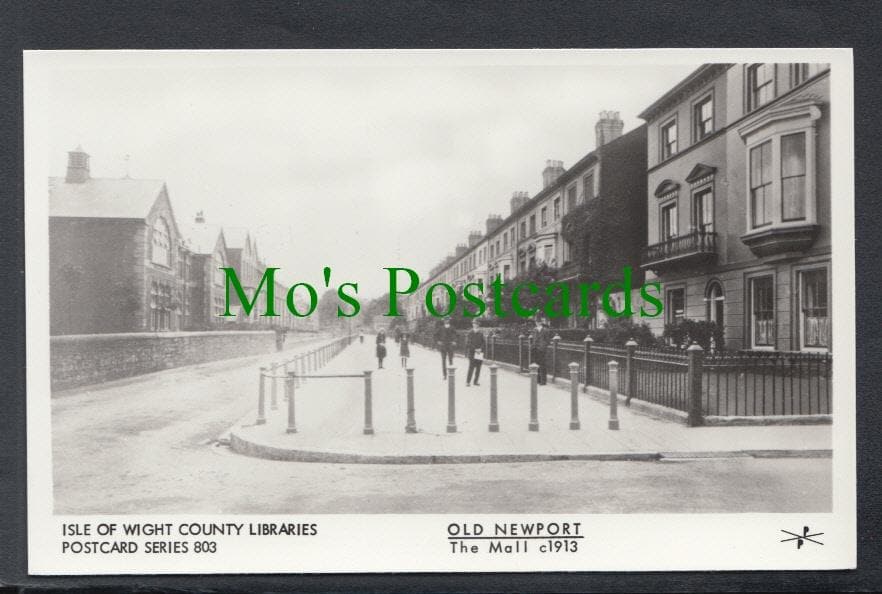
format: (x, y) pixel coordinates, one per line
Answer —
(404, 349)
(381, 348)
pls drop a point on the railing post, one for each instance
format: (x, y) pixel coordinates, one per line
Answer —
(494, 420)
(411, 416)
(273, 389)
(695, 355)
(368, 405)
(301, 379)
(554, 342)
(534, 397)
(261, 404)
(451, 399)
(529, 351)
(574, 396)
(587, 379)
(630, 371)
(290, 383)
(613, 395)
(493, 346)
(521, 365)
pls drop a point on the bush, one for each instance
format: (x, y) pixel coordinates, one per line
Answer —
(707, 334)
(618, 331)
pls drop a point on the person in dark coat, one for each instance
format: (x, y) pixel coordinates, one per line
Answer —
(404, 348)
(381, 348)
(540, 339)
(475, 345)
(445, 340)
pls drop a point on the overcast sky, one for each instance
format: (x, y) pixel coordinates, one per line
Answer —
(338, 163)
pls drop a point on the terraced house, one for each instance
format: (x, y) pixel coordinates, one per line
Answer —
(739, 203)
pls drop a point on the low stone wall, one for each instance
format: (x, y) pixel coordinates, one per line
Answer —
(82, 359)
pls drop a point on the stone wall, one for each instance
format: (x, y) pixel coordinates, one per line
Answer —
(82, 359)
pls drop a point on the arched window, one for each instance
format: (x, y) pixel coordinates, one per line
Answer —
(160, 252)
(714, 299)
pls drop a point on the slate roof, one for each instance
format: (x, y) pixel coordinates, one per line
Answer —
(111, 198)
(202, 237)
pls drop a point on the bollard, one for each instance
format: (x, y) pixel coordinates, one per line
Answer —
(261, 413)
(273, 393)
(574, 396)
(494, 420)
(630, 371)
(368, 405)
(290, 382)
(411, 417)
(613, 395)
(285, 373)
(587, 379)
(451, 399)
(554, 342)
(695, 356)
(534, 397)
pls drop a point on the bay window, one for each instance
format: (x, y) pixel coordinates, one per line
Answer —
(793, 177)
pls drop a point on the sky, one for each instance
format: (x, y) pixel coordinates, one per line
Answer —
(333, 160)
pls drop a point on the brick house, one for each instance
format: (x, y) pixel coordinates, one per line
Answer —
(738, 203)
(116, 257)
(208, 248)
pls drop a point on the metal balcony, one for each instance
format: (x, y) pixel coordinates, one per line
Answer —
(695, 248)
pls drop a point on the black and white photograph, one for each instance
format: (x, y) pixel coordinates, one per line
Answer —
(439, 310)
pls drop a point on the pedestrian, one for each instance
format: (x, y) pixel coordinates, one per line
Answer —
(404, 348)
(475, 352)
(381, 348)
(361, 337)
(539, 341)
(445, 340)
(397, 334)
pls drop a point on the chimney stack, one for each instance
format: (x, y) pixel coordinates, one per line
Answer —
(77, 166)
(518, 199)
(460, 249)
(474, 238)
(493, 222)
(200, 218)
(553, 170)
(608, 128)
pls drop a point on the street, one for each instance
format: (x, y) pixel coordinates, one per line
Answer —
(137, 446)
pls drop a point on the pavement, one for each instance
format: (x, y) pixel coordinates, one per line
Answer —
(330, 422)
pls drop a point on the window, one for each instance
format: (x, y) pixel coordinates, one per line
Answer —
(523, 229)
(160, 306)
(714, 298)
(497, 248)
(505, 272)
(703, 118)
(532, 224)
(798, 74)
(505, 240)
(703, 210)
(761, 184)
(548, 253)
(669, 140)
(557, 209)
(588, 186)
(793, 177)
(544, 215)
(762, 312)
(669, 221)
(571, 198)
(760, 85)
(814, 311)
(160, 252)
(675, 308)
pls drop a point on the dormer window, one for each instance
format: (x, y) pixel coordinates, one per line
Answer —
(160, 252)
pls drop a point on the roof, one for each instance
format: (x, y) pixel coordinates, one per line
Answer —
(110, 198)
(697, 77)
(235, 237)
(203, 237)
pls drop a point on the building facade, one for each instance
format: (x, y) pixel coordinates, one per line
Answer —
(738, 203)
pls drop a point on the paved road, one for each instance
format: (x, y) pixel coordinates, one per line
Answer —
(145, 445)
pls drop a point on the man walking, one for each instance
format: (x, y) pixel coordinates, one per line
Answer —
(445, 339)
(540, 338)
(475, 352)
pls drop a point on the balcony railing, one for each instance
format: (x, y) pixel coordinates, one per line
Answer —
(697, 246)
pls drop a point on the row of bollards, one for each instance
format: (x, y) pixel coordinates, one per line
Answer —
(293, 372)
(306, 364)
